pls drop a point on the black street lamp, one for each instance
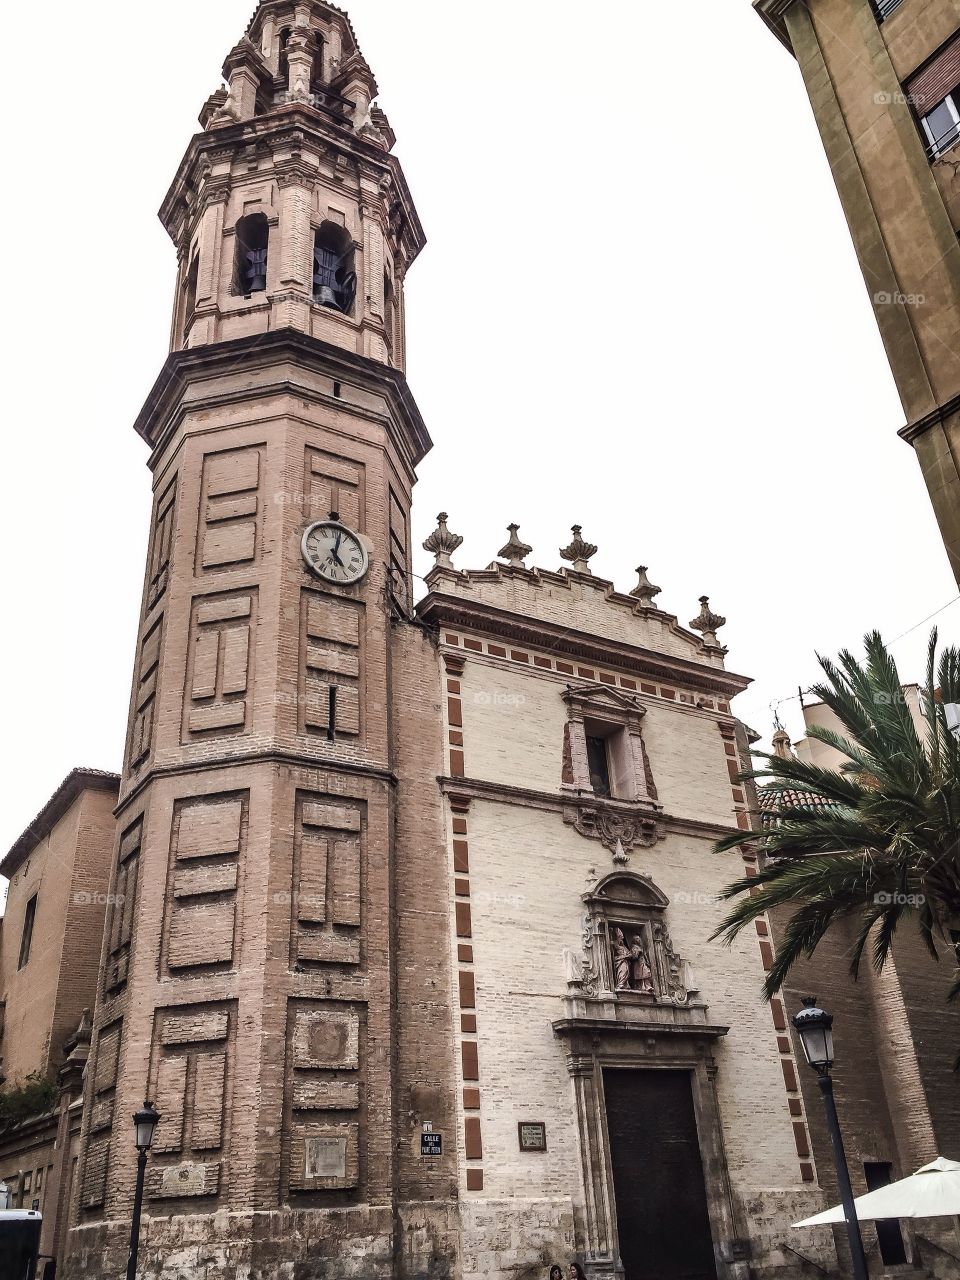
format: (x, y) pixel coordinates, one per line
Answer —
(815, 1029)
(144, 1123)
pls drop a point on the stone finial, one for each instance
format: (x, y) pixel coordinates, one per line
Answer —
(645, 591)
(708, 623)
(782, 746)
(442, 542)
(579, 552)
(515, 552)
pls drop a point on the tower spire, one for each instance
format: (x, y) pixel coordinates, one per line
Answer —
(289, 211)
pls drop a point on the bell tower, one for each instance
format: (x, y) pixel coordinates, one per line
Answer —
(266, 981)
(289, 211)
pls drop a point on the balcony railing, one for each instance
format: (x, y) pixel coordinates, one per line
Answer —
(949, 139)
(884, 8)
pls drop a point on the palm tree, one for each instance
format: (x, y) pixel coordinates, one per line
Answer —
(878, 841)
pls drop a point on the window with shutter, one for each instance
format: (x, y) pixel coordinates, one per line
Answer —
(934, 93)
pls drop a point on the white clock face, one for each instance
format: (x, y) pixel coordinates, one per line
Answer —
(335, 553)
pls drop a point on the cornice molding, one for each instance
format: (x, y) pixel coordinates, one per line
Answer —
(913, 430)
(773, 13)
(157, 419)
(439, 610)
(604, 1028)
(292, 126)
(556, 802)
(288, 758)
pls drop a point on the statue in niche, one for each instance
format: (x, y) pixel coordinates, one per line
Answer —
(622, 962)
(640, 971)
(630, 967)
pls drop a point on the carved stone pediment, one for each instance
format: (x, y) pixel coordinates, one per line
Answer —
(593, 698)
(627, 889)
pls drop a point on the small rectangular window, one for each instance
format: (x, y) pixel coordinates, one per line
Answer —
(332, 719)
(599, 764)
(27, 936)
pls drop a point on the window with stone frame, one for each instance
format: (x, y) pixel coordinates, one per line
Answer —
(603, 751)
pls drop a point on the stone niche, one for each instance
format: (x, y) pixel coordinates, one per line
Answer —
(626, 967)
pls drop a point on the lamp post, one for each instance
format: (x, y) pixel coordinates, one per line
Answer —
(144, 1123)
(815, 1029)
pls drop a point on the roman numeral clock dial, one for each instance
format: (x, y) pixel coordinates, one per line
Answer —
(335, 553)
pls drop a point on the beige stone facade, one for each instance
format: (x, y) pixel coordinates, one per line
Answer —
(866, 65)
(532, 663)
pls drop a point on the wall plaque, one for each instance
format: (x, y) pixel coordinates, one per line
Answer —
(326, 1158)
(533, 1136)
(431, 1144)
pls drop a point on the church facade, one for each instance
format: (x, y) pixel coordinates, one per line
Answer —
(408, 934)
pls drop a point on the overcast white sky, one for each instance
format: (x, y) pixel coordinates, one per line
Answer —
(639, 311)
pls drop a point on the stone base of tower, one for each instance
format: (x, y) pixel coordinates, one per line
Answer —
(413, 1242)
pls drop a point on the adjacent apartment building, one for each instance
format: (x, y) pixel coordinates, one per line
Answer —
(884, 82)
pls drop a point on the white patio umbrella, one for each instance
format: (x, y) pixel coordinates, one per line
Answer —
(932, 1192)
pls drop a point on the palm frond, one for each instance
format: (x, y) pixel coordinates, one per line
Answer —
(875, 840)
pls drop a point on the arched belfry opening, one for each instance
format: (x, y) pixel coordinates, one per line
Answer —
(250, 258)
(316, 72)
(334, 273)
(190, 294)
(283, 65)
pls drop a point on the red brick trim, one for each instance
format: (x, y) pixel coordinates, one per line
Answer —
(455, 663)
(466, 983)
(728, 732)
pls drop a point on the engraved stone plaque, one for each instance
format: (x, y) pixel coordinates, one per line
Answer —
(326, 1157)
(533, 1136)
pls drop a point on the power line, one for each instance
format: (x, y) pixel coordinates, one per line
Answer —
(795, 697)
(924, 620)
